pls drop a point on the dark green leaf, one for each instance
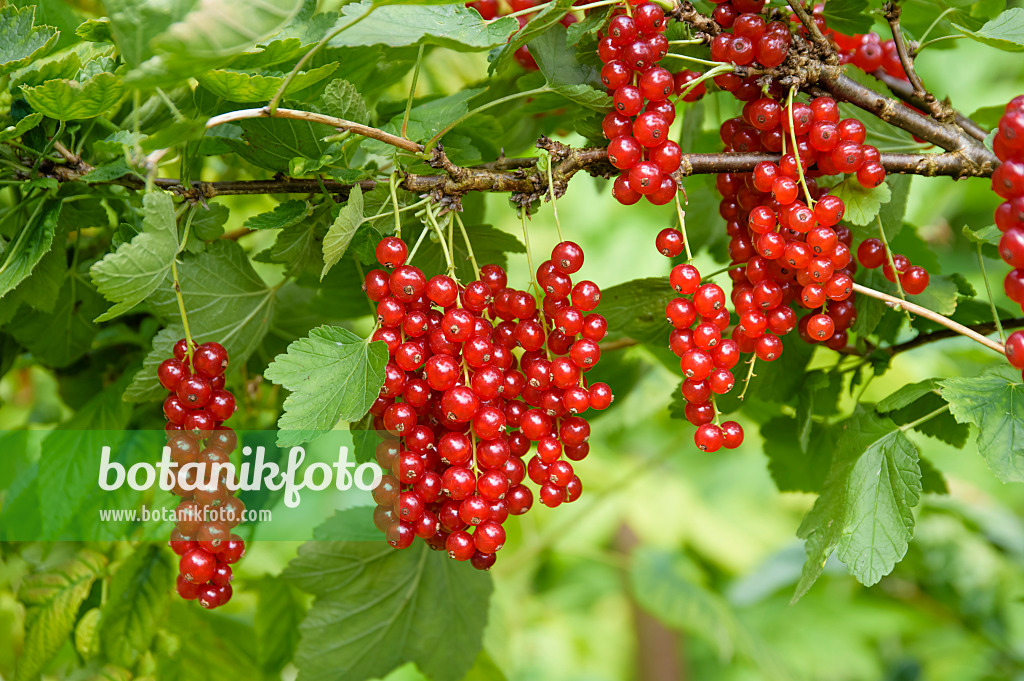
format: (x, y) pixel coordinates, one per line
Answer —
(866, 507)
(1005, 32)
(793, 468)
(848, 16)
(273, 143)
(29, 249)
(490, 245)
(61, 336)
(279, 612)
(227, 302)
(538, 24)
(238, 86)
(452, 26)
(283, 215)
(344, 227)
(994, 402)
(637, 309)
(415, 605)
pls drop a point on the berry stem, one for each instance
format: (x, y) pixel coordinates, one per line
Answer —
(722, 270)
(898, 304)
(394, 195)
(469, 246)
(694, 41)
(416, 246)
(543, 6)
(991, 300)
(323, 188)
(362, 277)
(927, 417)
(682, 228)
(177, 290)
(721, 68)
(526, 242)
(796, 151)
(695, 60)
(889, 258)
(551, 193)
(272, 106)
(432, 219)
(750, 375)
(412, 91)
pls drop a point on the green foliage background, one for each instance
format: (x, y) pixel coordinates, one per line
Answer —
(672, 558)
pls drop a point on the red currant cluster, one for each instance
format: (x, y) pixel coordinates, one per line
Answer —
(195, 410)
(1008, 183)
(641, 109)
(491, 9)
(747, 40)
(698, 317)
(464, 406)
(872, 253)
(868, 52)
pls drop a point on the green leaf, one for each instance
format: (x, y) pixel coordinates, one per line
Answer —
(452, 26)
(226, 301)
(20, 40)
(793, 468)
(1005, 32)
(862, 205)
(95, 30)
(342, 230)
(21, 127)
(985, 235)
(205, 646)
(352, 524)
(591, 24)
(29, 248)
(994, 402)
(866, 507)
(60, 337)
(106, 172)
(279, 612)
(333, 375)
(637, 309)
(52, 599)
(848, 16)
(67, 479)
(585, 95)
(40, 289)
(283, 215)
(214, 30)
(415, 605)
(538, 24)
(273, 143)
(907, 395)
(137, 604)
(208, 223)
(129, 275)
(237, 86)
(68, 100)
(891, 213)
(342, 100)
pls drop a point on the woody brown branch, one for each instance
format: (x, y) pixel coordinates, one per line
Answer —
(905, 91)
(939, 111)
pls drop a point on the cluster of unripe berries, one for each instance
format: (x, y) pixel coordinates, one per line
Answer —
(476, 375)
(698, 316)
(1008, 183)
(642, 110)
(197, 406)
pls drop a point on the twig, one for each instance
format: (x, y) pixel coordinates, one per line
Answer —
(820, 41)
(905, 91)
(991, 300)
(940, 112)
(896, 303)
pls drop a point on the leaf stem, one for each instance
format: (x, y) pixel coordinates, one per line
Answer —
(924, 36)
(276, 99)
(412, 90)
(432, 142)
(896, 303)
(925, 44)
(927, 417)
(991, 300)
